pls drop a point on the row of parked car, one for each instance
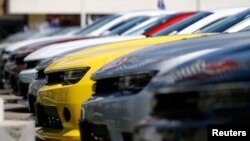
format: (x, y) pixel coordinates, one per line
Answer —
(143, 76)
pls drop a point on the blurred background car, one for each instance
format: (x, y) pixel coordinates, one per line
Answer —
(40, 43)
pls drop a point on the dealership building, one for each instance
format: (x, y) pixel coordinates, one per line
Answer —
(31, 13)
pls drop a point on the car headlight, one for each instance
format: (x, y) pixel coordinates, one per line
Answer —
(73, 76)
(127, 85)
(134, 83)
(67, 77)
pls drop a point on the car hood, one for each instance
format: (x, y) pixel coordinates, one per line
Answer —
(75, 60)
(53, 50)
(21, 44)
(156, 58)
(4, 45)
(224, 66)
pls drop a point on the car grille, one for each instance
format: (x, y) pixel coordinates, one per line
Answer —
(12, 57)
(91, 132)
(203, 104)
(48, 117)
(32, 101)
(19, 60)
(23, 89)
(176, 105)
(31, 64)
(41, 74)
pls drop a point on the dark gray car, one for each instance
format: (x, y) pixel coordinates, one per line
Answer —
(120, 99)
(210, 90)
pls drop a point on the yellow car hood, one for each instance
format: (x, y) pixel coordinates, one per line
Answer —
(84, 58)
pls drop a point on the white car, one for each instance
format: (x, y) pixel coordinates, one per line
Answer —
(213, 18)
(107, 23)
(21, 44)
(55, 49)
(31, 35)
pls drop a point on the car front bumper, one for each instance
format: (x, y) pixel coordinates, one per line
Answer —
(66, 99)
(119, 114)
(32, 93)
(90, 132)
(161, 130)
(62, 135)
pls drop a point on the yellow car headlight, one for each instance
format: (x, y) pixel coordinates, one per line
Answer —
(67, 77)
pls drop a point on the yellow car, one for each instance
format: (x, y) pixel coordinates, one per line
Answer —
(69, 85)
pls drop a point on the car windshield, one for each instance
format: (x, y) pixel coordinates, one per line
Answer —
(183, 24)
(149, 26)
(127, 25)
(226, 23)
(46, 33)
(18, 37)
(64, 31)
(99, 23)
(246, 29)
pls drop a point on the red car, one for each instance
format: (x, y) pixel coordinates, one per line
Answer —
(168, 21)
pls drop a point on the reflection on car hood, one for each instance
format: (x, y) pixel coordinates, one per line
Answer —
(21, 44)
(226, 65)
(155, 58)
(56, 49)
(77, 60)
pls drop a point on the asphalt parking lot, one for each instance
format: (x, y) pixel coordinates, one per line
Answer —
(15, 108)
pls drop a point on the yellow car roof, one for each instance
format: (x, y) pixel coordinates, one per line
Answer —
(99, 54)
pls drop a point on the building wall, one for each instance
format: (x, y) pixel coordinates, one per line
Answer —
(204, 4)
(75, 6)
(213, 4)
(36, 20)
(111, 6)
(44, 6)
(37, 8)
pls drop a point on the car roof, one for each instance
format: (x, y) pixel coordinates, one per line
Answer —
(220, 14)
